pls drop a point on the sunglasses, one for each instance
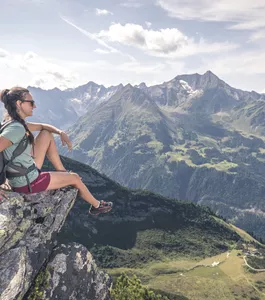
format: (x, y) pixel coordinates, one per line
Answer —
(31, 101)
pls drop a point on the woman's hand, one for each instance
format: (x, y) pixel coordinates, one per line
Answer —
(65, 140)
(2, 195)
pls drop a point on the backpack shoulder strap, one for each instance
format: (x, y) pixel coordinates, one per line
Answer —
(21, 147)
(5, 124)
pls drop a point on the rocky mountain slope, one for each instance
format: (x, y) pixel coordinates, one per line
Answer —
(63, 108)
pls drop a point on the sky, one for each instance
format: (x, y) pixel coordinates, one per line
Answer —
(67, 43)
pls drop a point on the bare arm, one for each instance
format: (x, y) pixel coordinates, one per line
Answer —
(40, 126)
(4, 143)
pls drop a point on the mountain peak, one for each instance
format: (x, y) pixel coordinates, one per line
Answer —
(128, 85)
(91, 82)
(209, 73)
(197, 81)
(142, 85)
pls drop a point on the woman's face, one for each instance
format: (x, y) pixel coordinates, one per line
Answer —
(26, 106)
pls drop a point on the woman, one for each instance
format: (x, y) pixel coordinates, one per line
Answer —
(19, 105)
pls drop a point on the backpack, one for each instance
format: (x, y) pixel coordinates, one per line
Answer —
(4, 163)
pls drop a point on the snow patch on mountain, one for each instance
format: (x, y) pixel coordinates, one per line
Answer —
(186, 86)
(189, 89)
(76, 100)
(87, 96)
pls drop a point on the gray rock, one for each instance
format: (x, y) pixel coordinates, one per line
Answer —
(71, 273)
(28, 228)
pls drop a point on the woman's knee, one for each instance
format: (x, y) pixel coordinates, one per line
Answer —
(76, 178)
(45, 134)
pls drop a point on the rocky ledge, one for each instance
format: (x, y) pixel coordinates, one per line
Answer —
(32, 265)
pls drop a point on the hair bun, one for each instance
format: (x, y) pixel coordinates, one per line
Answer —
(3, 95)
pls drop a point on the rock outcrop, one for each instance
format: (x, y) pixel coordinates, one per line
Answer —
(32, 265)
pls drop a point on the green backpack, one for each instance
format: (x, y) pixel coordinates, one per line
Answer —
(4, 163)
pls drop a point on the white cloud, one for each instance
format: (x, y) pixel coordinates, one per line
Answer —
(245, 63)
(131, 4)
(148, 24)
(139, 68)
(90, 35)
(246, 14)
(3, 53)
(103, 12)
(33, 1)
(48, 82)
(42, 70)
(258, 35)
(96, 38)
(169, 42)
(101, 51)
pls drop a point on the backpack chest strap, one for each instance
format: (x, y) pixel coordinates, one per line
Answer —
(22, 171)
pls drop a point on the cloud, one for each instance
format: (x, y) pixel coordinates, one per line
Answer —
(101, 51)
(3, 53)
(246, 14)
(258, 35)
(131, 4)
(48, 82)
(245, 63)
(103, 12)
(148, 24)
(96, 38)
(34, 1)
(169, 42)
(139, 68)
(40, 68)
(37, 81)
(90, 35)
(109, 72)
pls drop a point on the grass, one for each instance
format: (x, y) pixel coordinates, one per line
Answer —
(179, 156)
(228, 280)
(262, 150)
(224, 165)
(156, 145)
(233, 150)
(207, 141)
(245, 236)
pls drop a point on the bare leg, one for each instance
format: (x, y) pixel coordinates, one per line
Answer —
(62, 179)
(45, 145)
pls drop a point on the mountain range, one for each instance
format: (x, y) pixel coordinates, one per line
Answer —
(192, 138)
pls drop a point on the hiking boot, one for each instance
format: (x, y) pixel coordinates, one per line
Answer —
(103, 208)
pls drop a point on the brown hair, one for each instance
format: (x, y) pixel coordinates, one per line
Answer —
(9, 98)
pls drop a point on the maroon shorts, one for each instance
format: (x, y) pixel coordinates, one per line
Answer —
(40, 184)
